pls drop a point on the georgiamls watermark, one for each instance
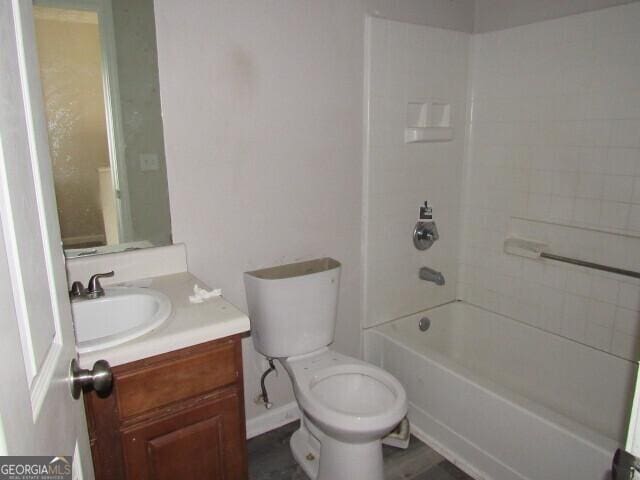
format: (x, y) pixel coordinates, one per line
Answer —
(35, 468)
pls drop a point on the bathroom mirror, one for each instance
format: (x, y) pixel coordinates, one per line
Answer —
(99, 72)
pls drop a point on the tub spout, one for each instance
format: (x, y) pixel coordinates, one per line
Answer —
(431, 275)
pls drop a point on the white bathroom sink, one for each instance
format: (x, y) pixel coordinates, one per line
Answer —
(122, 314)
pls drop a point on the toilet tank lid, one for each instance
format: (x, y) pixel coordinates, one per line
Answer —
(298, 269)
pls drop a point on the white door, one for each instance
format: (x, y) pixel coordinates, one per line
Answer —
(626, 463)
(633, 433)
(37, 413)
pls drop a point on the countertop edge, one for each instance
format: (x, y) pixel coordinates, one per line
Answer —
(125, 353)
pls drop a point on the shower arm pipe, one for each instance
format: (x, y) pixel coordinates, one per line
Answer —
(594, 266)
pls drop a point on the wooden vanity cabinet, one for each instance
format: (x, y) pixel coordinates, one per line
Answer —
(179, 415)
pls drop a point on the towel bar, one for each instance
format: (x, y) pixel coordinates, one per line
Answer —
(595, 266)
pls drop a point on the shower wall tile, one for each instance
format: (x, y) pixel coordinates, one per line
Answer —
(555, 140)
(411, 63)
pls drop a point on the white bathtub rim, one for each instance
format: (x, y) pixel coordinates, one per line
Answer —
(548, 416)
(459, 301)
(453, 457)
(455, 301)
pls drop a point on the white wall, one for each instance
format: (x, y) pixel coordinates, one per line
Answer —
(262, 109)
(411, 63)
(499, 14)
(555, 156)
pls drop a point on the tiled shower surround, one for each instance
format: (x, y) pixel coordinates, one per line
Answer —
(409, 64)
(552, 154)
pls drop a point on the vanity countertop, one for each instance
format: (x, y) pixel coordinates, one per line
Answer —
(188, 324)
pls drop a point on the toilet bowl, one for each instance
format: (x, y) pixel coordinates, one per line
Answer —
(347, 405)
(347, 398)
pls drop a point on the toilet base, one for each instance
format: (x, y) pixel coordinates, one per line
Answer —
(306, 451)
(325, 458)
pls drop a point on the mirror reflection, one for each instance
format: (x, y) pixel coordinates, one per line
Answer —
(99, 72)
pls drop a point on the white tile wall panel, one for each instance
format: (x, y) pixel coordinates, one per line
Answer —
(555, 139)
(411, 63)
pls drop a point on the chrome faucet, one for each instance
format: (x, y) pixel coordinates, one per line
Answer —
(93, 290)
(431, 275)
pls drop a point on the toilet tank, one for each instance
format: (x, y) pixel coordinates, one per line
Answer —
(293, 307)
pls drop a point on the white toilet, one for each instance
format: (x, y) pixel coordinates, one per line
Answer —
(348, 405)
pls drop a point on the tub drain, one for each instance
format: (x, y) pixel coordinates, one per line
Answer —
(424, 324)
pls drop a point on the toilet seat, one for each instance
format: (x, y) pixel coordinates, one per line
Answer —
(346, 396)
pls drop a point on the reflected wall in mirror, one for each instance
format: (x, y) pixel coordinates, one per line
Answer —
(99, 72)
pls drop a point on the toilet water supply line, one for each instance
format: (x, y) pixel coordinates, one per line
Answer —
(265, 396)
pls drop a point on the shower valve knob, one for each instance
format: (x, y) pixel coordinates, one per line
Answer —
(425, 234)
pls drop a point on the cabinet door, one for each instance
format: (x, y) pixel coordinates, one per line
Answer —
(204, 442)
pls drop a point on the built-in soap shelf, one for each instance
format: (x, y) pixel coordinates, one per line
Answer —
(523, 247)
(428, 121)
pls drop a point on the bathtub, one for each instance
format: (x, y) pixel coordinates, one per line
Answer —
(505, 400)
